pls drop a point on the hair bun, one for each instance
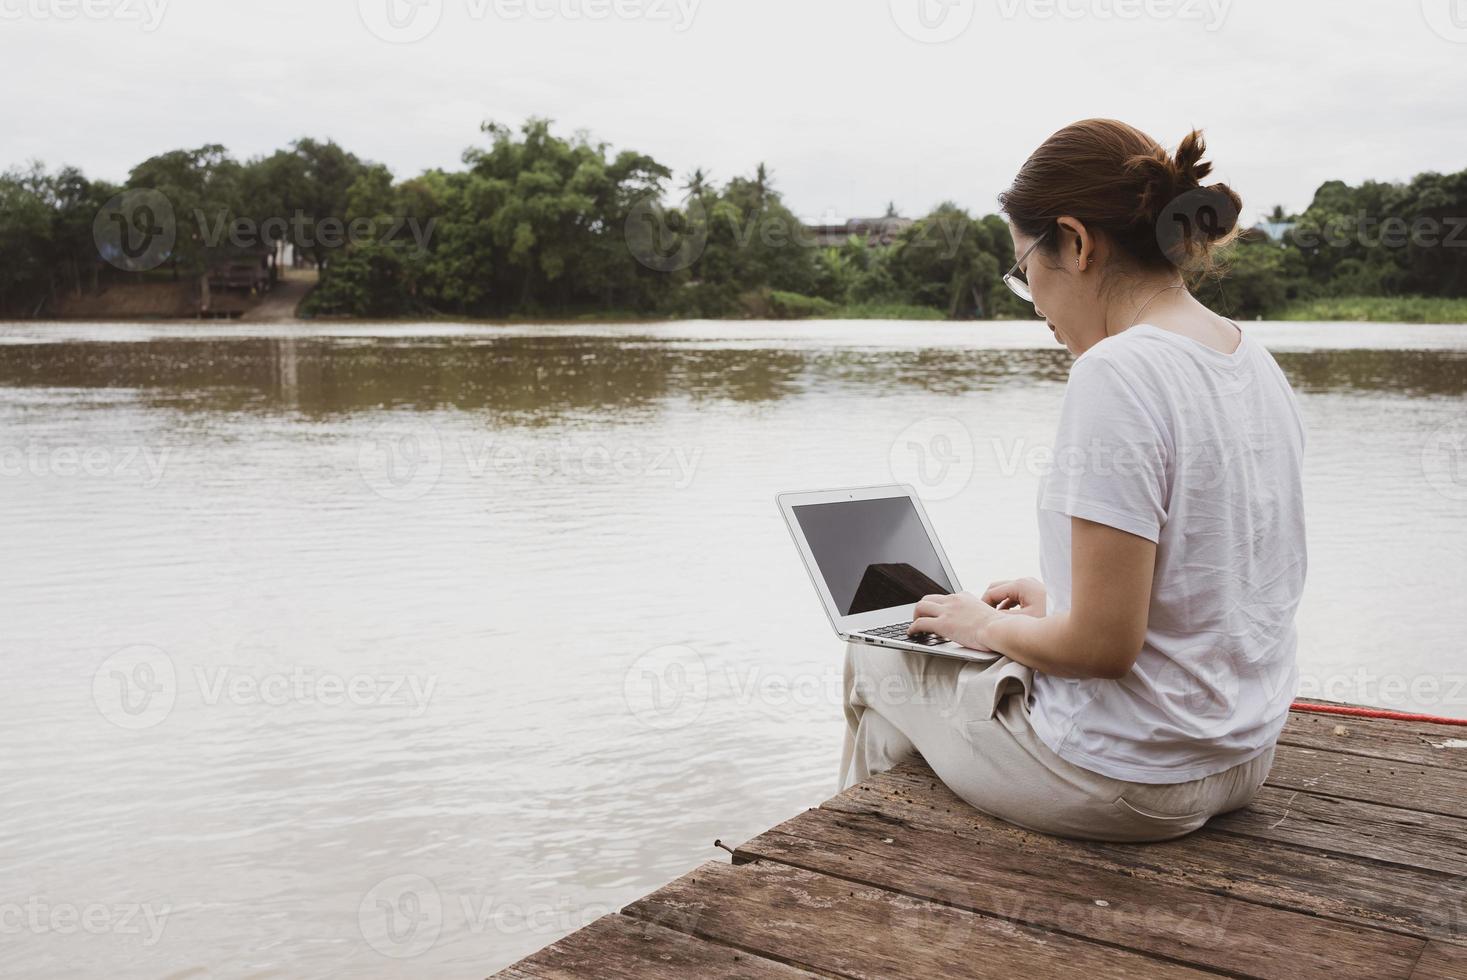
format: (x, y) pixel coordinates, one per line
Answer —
(1156, 175)
(1188, 163)
(1190, 219)
(1163, 178)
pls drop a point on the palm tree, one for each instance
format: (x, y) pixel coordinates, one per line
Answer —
(699, 182)
(763, 179)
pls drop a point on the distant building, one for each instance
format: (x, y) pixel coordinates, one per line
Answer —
(876, 231)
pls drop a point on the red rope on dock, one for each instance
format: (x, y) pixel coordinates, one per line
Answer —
(1345, 709)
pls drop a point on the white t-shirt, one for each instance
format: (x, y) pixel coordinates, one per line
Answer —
(1202, 453)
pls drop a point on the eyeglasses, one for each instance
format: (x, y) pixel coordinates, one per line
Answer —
(1016, 279)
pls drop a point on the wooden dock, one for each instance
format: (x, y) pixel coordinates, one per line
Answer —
(1352, 862)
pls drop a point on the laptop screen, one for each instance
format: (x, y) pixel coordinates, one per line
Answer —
(873, 554)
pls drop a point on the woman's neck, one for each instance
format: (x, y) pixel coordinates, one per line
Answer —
(1149, 297)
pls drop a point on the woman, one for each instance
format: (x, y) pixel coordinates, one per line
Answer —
(1143, 684)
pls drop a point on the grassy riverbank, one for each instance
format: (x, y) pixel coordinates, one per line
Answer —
(1380, 309)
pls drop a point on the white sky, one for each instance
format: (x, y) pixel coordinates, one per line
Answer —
(847, 109)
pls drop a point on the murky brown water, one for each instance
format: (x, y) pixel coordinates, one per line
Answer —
(403, 650)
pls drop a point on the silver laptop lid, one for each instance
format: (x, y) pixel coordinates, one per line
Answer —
(870, 552)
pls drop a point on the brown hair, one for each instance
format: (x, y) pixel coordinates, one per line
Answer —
(1116, 179)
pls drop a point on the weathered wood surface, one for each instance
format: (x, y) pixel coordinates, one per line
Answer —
(617, 946)
(1430, 789)
(1093, 901)
(1317, 882)
(1441, 961)
(1380, 738)
(828, 924)
(1351, 862)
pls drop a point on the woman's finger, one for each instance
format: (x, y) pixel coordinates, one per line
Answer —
(925, 624)
(997, 591)
(926, 606)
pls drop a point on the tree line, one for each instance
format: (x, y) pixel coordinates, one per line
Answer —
(537, 224)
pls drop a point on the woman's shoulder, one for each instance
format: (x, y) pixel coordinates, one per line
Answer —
(1163, 356)
(1135, 355)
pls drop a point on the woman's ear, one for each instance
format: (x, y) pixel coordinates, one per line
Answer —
(1078, 251)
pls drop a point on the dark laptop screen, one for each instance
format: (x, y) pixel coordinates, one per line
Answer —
(873, 554)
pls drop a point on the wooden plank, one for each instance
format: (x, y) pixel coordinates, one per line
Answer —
(1401, 784)
(1376, 738)
(1368, 830)
(618, 946)
(1172, 921)
(1442, 961)
(1423, 903)
(1427, 728)
(827, 924)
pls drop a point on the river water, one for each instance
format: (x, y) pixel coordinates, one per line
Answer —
(402, 650)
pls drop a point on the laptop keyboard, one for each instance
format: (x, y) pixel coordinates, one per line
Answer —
(898, 631)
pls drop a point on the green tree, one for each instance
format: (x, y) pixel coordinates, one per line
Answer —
(203, 186)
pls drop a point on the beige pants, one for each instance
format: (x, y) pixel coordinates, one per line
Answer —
(970, 722)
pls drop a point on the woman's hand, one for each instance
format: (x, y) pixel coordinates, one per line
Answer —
(962, 617)
(1027, 594)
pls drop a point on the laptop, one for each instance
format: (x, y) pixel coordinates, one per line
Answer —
(871, 554)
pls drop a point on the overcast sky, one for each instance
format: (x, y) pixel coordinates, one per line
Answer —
(851, 102)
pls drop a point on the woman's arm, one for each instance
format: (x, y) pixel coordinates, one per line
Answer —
(1101, 633)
